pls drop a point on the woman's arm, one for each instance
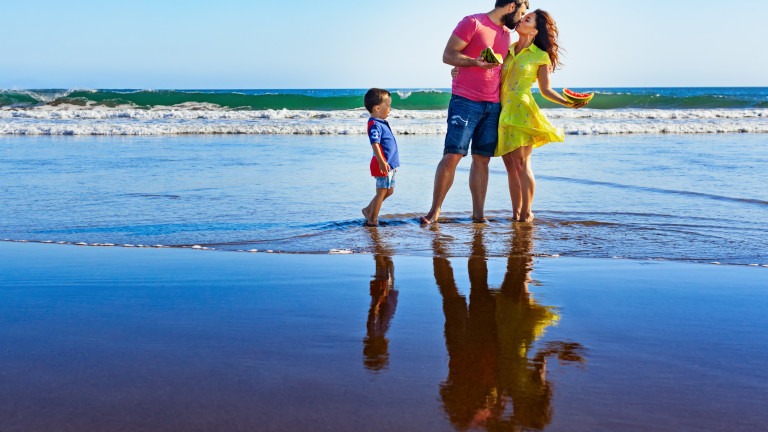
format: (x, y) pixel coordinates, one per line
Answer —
(545, 87)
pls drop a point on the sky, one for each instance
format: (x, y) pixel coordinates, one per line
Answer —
(238, 44)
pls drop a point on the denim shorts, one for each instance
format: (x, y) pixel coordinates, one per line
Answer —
(472, 121)
(387, 182)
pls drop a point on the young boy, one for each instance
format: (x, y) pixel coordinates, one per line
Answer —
(385, 159)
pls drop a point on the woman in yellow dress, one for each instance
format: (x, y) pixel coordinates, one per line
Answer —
(522, 126)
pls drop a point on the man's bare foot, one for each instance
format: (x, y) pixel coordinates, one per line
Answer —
(426, 220)
(526, 217)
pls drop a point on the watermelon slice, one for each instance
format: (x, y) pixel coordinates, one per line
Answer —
(491, 57)
(577, 97)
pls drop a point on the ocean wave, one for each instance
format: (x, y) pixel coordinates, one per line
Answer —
(208, 111)
(345, 99)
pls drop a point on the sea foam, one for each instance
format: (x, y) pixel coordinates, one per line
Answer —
(206, 118)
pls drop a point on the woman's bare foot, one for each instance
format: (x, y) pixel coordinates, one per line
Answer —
(481, 220)
(366, 213)
(368, 224)
(526, 217)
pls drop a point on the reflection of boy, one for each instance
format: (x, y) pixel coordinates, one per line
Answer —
(381, 312)
(386, 159)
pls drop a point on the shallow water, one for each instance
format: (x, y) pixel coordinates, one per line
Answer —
(697, 197)
(118, 339)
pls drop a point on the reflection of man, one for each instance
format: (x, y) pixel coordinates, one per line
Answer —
(473, 113)
(489, 339)
(469, 393)
(382, 310)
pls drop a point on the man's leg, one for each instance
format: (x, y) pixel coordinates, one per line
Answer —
(463, 115)
(484, 140)
(478, 185)
(446, 171)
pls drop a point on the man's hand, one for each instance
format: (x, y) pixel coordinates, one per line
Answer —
(481, 63)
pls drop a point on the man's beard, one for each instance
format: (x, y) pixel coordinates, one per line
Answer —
(510, 21)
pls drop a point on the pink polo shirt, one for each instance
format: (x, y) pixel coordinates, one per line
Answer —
(478, 84)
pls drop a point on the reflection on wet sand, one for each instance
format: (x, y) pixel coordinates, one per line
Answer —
(383, 305)
(495, 378)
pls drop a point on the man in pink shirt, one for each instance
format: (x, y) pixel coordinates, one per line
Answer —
(473, 113)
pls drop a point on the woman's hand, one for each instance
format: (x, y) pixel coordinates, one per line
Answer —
(578, 105)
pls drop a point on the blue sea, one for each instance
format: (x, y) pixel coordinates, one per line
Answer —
(644, 173)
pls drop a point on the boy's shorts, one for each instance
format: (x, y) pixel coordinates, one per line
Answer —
(387, 182)
(472, 121)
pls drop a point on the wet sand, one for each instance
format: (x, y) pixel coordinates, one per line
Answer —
(112, 339)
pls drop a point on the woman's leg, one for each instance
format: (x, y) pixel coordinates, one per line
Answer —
(527, 183)
(515, 190)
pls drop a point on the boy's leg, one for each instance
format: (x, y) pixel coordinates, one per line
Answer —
(385, 187)
(372, 211)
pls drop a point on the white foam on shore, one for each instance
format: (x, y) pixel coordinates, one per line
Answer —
(203, 119)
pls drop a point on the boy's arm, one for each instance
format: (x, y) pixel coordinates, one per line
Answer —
(383, 165)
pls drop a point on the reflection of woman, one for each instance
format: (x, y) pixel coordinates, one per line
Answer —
(489, 342)
(521, 321)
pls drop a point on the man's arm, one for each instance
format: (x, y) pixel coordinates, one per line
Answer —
(452, 55)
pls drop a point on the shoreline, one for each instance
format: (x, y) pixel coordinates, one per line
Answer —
(352, 252)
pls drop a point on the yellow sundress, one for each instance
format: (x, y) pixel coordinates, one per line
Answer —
(521, 123)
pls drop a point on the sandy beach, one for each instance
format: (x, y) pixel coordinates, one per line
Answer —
(191, 239)
(115, 339)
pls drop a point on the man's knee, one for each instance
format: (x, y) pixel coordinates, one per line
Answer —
(481, 160)
(451, 160)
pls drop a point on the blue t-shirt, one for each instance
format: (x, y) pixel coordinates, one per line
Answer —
(379, 132)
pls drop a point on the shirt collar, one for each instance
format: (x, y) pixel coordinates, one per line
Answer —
(534, 49)
(379, 120)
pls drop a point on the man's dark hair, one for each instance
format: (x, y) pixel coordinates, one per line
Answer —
(518, 3)
(373, 97)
